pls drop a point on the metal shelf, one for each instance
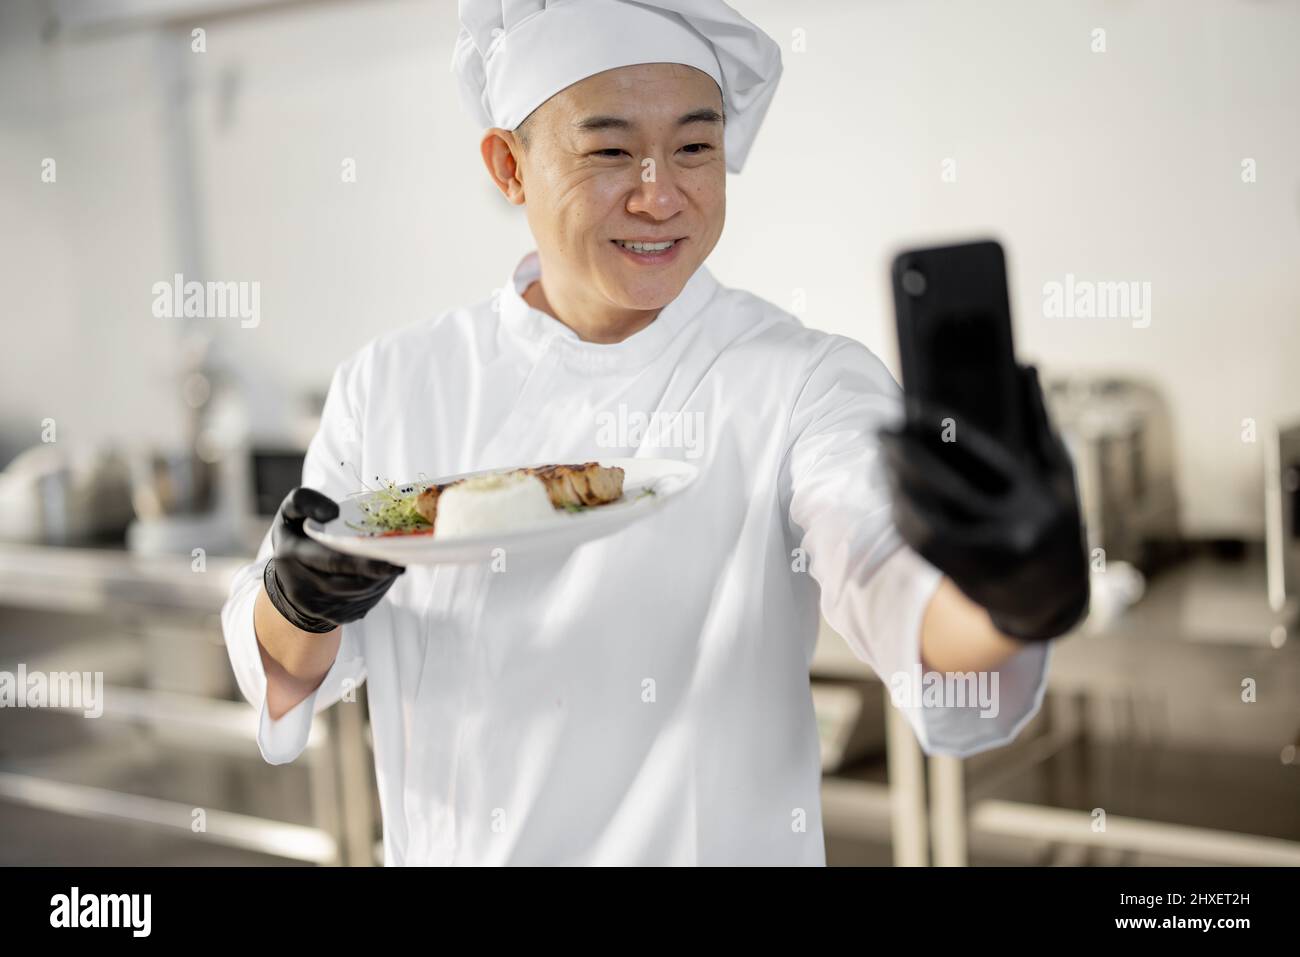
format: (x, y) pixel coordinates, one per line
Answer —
(166, 593)
(1200, 844)
(293, 841)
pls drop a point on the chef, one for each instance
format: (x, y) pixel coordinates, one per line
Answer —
(643, 699)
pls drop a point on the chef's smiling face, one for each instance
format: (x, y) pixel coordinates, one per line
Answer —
(623, 178)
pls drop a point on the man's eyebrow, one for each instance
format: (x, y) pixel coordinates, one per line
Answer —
(700, 116)
(593, 123)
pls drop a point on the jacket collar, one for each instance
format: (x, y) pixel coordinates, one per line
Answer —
(537, 332)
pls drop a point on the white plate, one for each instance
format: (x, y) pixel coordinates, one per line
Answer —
(666, 478)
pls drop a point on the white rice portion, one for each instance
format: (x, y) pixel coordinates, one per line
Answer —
(487, 504)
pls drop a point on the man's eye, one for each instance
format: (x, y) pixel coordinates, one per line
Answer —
(609, 152)
(697, 148)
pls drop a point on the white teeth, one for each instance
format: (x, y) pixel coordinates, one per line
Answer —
(646, 247)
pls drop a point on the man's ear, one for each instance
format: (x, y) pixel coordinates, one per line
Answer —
(501, 150)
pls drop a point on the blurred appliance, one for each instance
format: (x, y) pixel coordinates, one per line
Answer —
(243, 449)
(275, 471)
(174, 494)
(1120, 434)
(170, 483)
(1282, 516)
(274, 451)
(850, 722)
(55, 495)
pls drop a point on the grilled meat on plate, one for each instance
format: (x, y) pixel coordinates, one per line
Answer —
(567, 485)
(587, 484)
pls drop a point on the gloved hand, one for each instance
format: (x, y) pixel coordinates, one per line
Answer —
(1004, 524)
(314, 587)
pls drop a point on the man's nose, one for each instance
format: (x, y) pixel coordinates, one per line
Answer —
(657, 194)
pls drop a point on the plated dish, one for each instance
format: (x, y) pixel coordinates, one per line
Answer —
(469, 517)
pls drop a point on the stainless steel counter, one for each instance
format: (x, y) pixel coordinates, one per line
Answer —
(96, 579)
(186, 700)
(1199, 674)
(1201, 629)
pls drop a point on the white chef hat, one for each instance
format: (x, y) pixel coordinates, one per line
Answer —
(513, 55)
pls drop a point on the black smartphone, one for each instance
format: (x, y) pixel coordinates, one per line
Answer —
(954, 340)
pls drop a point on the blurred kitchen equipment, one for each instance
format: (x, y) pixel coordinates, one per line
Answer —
(174, 494)
(849, 722)
(276, 471)
(184, 659)
(1282, 516)
(1114, 591)
(1120, 434)
(243, 450)
(170, 483)
(56, 495)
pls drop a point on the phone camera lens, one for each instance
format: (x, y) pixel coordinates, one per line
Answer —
(913, 282)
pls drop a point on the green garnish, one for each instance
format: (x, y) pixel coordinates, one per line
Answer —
(391, 508)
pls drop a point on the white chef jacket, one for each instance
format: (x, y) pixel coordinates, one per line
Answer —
(645, 698)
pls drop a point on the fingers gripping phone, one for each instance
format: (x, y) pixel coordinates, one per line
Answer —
(956, 350)
(954, 342)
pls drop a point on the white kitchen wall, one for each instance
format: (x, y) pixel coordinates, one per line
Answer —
(1123, 165)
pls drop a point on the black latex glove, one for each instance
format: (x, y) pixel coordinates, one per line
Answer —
(314, 587)
(1003, 524)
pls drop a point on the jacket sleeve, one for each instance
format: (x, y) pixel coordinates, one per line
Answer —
(874, 588)
(331, 464)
